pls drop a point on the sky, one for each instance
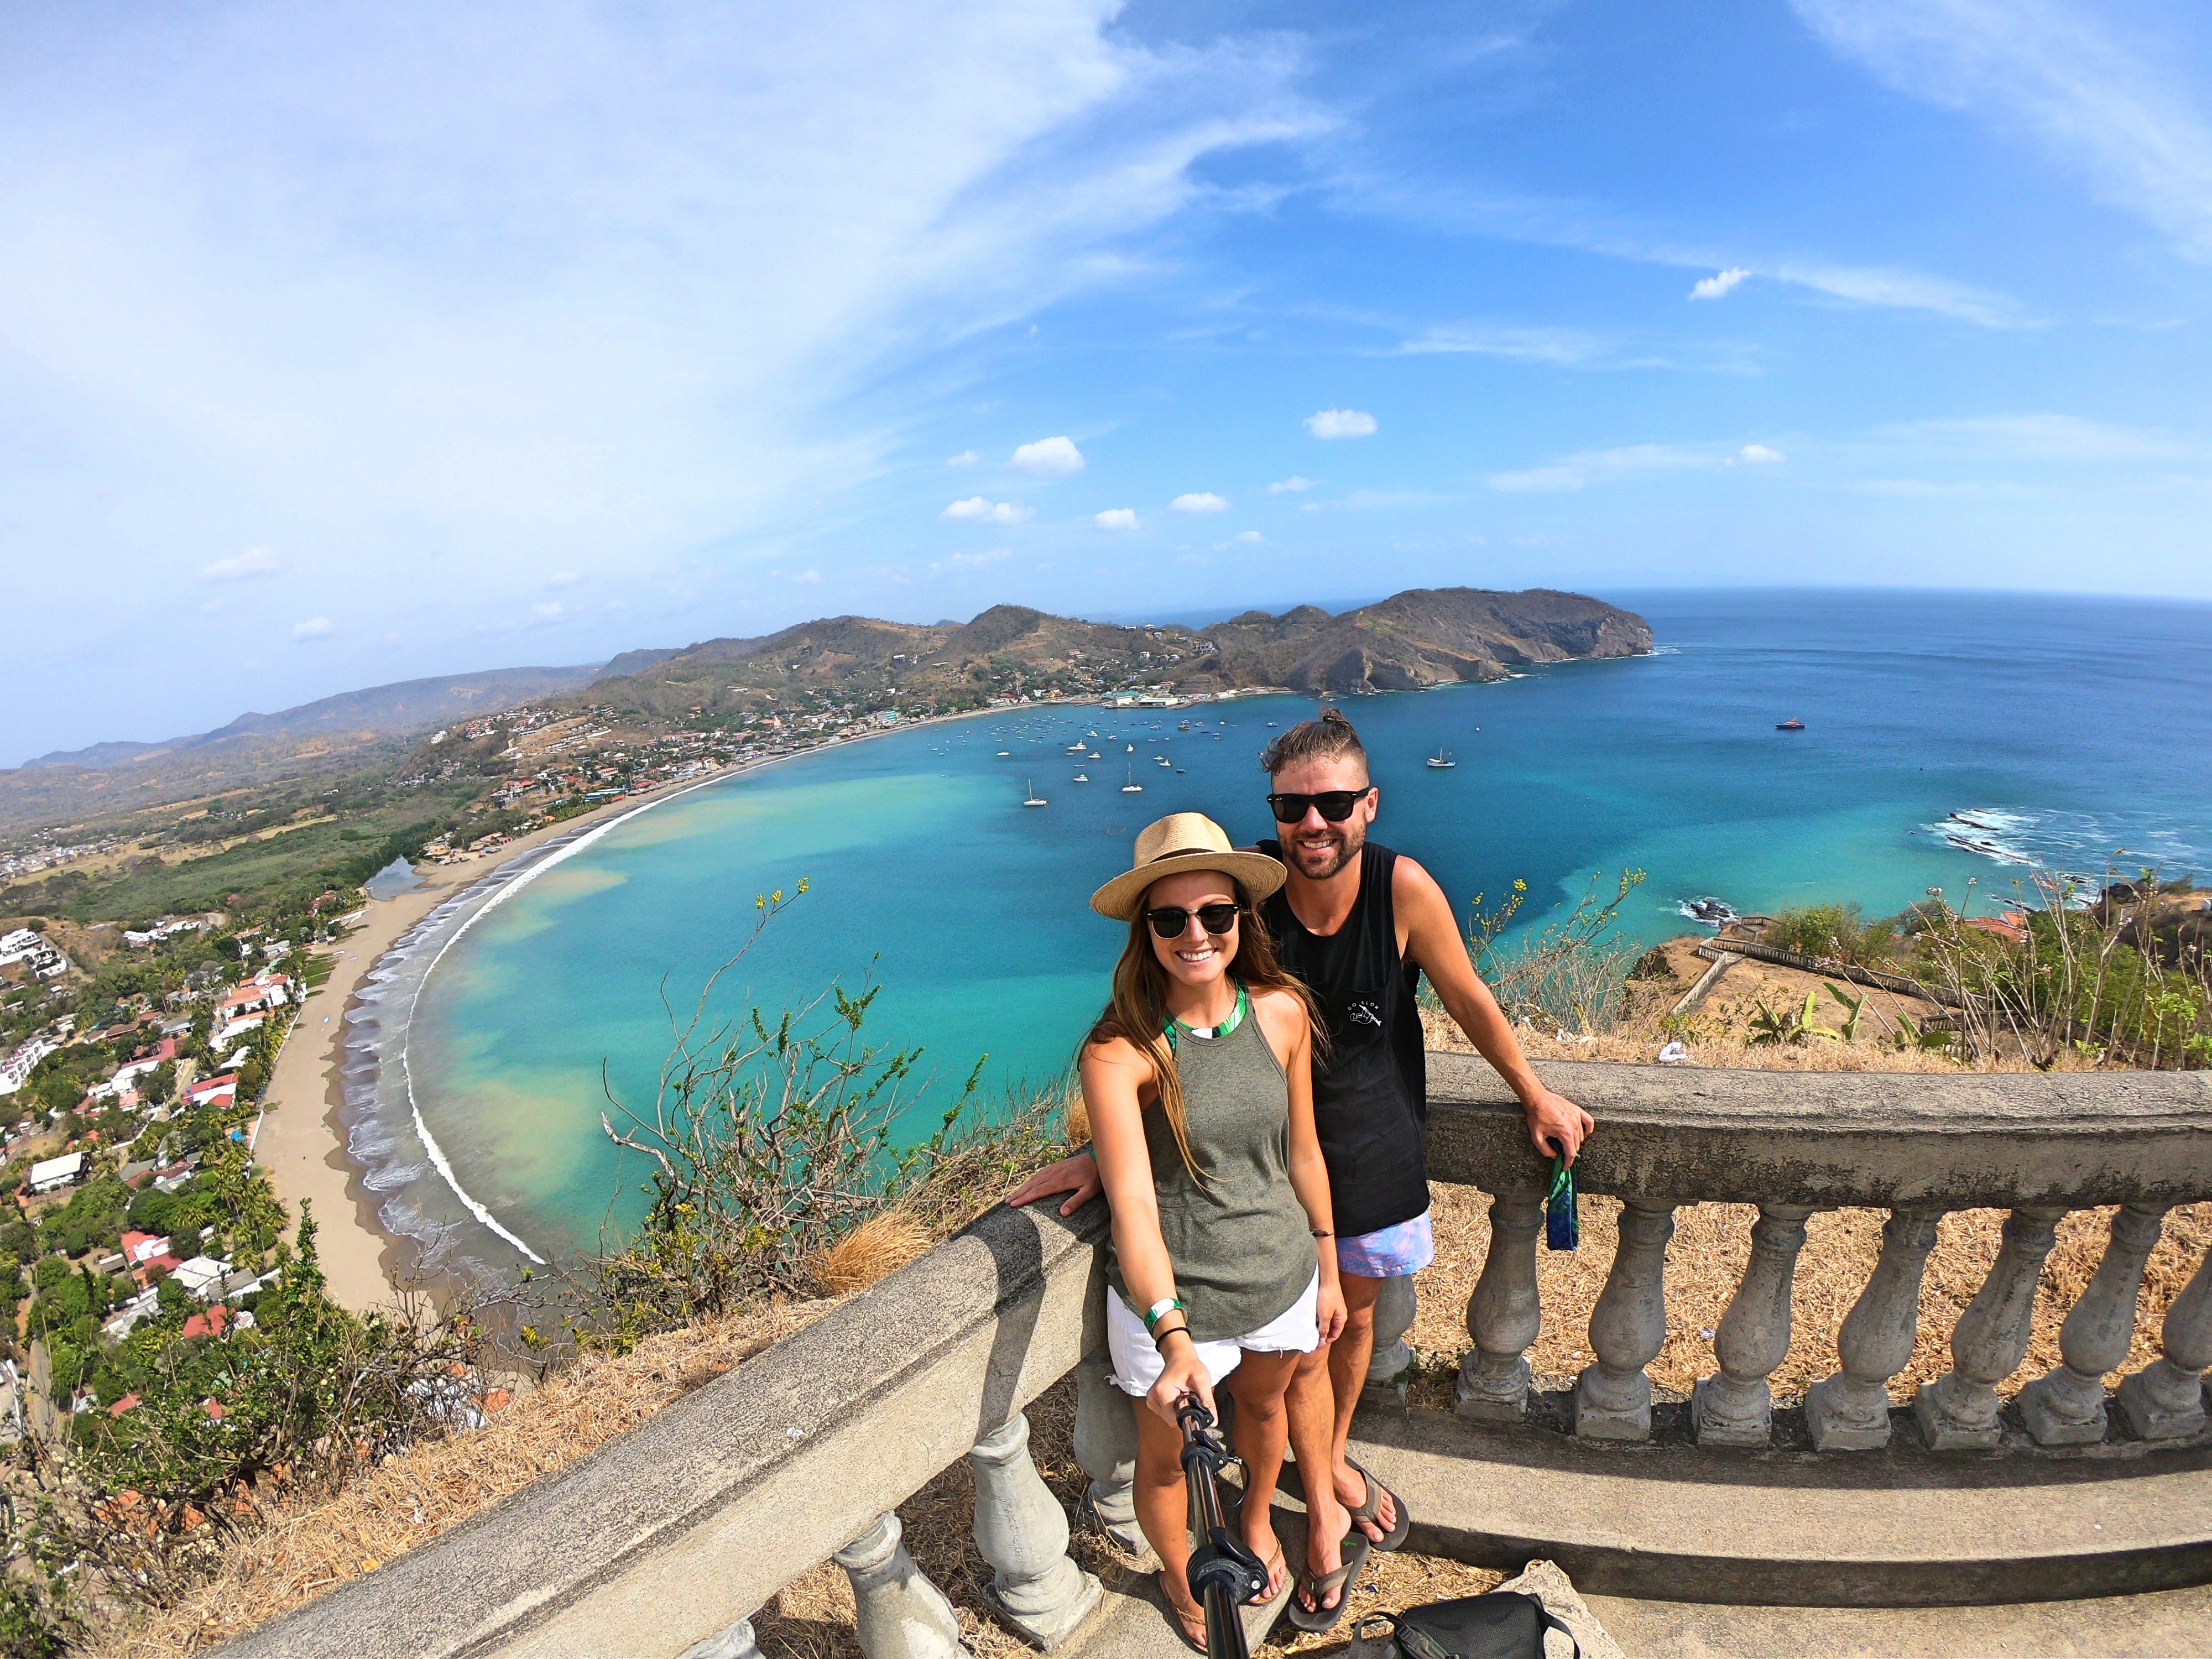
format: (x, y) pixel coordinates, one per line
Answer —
(347, 344)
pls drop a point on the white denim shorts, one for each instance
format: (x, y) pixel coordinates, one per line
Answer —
(1138, 1363)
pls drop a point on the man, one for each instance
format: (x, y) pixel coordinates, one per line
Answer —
(1360, 925)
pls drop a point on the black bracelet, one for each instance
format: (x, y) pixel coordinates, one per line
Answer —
(1159, 1338)
(1321, 1232)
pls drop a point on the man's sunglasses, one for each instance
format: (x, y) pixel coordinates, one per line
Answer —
(1336, 804)
(1169, 921)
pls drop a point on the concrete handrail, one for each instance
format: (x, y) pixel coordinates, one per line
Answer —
(1950, 1140)
(688, 1523)
(666, 1540)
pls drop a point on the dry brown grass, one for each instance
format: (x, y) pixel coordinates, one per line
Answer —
(306, 1548)
(875, 1250)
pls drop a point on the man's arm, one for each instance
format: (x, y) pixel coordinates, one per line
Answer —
(1434, 944)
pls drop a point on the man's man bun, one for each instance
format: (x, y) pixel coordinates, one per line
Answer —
(1329, 737)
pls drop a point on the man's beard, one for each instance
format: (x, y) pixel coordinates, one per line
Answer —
(1346, 841)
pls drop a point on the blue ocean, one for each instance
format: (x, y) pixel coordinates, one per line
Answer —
(1950, 740)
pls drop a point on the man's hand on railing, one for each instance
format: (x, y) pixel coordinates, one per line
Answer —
(1077, 1177)
(1554, 1117)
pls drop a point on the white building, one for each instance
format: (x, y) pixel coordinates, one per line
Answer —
(15, 1070)
(201, 1277)
(34, 951)
(57, 1173)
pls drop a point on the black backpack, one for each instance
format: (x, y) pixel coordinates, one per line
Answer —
(1503, 1624)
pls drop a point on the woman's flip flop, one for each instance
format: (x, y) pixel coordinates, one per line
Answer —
(1319, 1618)
(1370, 1509)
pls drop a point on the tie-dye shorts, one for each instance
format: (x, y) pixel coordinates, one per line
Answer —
(1404, 1248)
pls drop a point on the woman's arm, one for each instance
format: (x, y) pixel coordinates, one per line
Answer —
(1290, 1030)
(1115, 1077)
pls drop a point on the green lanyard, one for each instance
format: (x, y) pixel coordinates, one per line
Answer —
(1235, 1018)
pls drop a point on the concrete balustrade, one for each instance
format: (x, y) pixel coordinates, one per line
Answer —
(898, 1613)
(1736, 1408)
(1849, 1411)
(2165, 1400)
(1504, 1315)
(1627, 1327)
(2066, 1406)
(667, 1541)
(1958, 1411)
(1392, 1359)
(1022, 1532)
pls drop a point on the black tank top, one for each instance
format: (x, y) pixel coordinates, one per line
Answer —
(1371, 1095)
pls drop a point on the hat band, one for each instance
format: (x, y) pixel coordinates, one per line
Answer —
(1184, 853)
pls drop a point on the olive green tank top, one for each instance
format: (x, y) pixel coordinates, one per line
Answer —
(1241, 1246)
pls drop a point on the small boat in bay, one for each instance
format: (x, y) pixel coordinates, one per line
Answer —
(1793, 724)
(1442, 760)
(1133, 787)
(1080, 777)
(1034, 799)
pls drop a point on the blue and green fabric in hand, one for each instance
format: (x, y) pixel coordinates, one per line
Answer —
(1563, 1226)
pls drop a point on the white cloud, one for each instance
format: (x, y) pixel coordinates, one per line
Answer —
(1600, 465)
(1117, 518)
(807, 578)
(1242, 538)
(1293, 485)
(561, 579)
(254, 561)
(1049, 457)
(1341, 423)
(438, 332)
(547, 612)
(1199, 501)
(1711, 288)
(1564, 347)
(975, 507)
(965, 457)
(2058, 75)
(1759, 454)
(970, 560)
(315, 628)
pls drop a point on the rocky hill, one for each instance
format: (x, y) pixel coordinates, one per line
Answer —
(1422, 637)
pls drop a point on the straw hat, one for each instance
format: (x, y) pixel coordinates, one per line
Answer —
(1177, 843)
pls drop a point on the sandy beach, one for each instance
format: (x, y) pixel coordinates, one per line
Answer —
(299, 1145)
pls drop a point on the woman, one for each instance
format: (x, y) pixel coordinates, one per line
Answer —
(1197, 1079)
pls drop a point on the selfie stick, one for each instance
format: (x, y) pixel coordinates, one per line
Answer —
(1224, 1575)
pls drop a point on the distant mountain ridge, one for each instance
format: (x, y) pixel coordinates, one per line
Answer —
(403, 707)
(1421, 637)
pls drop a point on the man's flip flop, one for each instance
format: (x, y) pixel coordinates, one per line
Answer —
(1316, 1618)
(1370, 1509)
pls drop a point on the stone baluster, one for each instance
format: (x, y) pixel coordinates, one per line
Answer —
(2065, 1407)
(1504, 1315)
(1849, 1411)
(899, 1613)
(1958, 1410)
(1106, 1450)
(1736, 1408)
(1627, 1327)
(1021, 1531)
(1394, 1307)
(735, 1642)
(2165, 1400)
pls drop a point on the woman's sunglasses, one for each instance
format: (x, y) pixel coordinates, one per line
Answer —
(1169, 921)
(1336, 804)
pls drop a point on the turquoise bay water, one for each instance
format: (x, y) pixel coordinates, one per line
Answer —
(2066, 729)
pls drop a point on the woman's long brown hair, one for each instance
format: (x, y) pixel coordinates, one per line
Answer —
(1139, 1011)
